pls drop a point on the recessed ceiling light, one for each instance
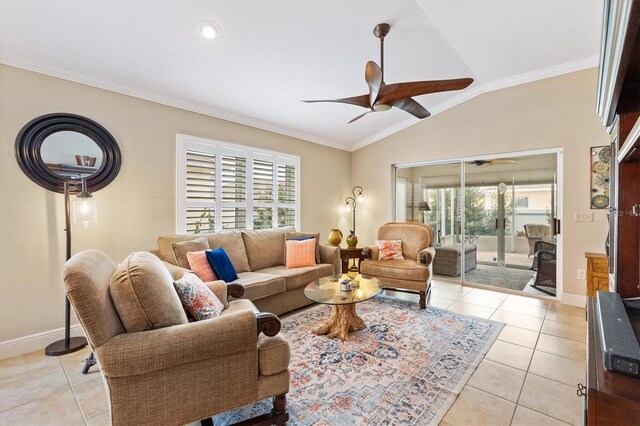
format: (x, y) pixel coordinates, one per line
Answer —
(208, 29)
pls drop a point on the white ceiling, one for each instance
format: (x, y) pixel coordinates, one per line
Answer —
(270, 54)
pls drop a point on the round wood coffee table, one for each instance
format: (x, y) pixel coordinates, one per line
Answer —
(343, 310)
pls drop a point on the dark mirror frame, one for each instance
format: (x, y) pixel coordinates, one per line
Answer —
(29, 142)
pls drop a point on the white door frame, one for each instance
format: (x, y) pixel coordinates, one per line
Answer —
(559, 194)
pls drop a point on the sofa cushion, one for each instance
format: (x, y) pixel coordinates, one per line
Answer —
(257, 285)
(230, 241)
(293, 235)
(233, 245)
(182, 248)
(264, 247)
(273, 355)
(143, 294)
(300, 277)
(399, 269)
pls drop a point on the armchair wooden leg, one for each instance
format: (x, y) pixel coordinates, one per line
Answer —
(280, 413)
(423, 300)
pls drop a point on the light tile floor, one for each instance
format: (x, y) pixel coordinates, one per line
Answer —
(528, 377)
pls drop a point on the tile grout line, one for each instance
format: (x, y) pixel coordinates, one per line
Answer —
(73, 391)
(527, 371)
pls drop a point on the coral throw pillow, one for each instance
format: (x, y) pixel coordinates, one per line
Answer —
(199, 264)
(389, 249)
(197, 299)
(301, 253)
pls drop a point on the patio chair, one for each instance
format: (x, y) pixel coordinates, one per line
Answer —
(544, 263)
(536, 232)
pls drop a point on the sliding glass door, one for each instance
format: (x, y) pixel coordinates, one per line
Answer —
(487, 216)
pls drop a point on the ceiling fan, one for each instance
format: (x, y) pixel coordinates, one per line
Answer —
(382, 97)
(488, 163)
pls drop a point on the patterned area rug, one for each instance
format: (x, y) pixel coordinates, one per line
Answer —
(406, 368)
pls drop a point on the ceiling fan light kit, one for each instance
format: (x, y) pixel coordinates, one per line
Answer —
(382, 96)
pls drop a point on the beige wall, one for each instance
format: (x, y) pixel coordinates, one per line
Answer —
(552, 113)
(137, 207)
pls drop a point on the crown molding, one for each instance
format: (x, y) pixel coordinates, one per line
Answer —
(172, 101)
(176, 102)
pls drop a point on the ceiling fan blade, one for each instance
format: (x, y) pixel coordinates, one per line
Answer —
(360, 116)
(397, 91)
(373, 75)
(362, 100)
(412, 107)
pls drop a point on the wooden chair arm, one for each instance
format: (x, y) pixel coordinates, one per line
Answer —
(235, 290)
(268, 323)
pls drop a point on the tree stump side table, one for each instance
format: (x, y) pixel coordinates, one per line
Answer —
(343, 318)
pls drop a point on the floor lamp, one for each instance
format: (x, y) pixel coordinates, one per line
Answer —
(85, 212)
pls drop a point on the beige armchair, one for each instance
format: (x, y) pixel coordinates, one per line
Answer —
(181, 373)
(414, 272)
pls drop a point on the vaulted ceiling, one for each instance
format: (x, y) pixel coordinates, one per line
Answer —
(271, 54)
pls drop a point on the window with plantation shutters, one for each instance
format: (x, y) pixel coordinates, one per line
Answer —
(227, 186)
(287, 195)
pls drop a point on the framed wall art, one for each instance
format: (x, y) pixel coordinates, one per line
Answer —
(600, 168)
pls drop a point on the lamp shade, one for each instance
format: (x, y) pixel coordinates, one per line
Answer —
(85, 211)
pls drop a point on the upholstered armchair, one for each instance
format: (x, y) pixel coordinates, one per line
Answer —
(544, 263)
(181, 373)
(414, 271)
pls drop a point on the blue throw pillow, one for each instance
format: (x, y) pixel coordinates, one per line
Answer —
(221, 264)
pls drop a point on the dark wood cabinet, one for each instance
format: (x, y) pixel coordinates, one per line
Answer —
(619, 108)
(613, 398)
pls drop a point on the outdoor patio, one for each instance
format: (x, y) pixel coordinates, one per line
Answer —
(520, 260)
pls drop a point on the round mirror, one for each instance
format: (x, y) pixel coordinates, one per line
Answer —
(58, 148)
(71, 155)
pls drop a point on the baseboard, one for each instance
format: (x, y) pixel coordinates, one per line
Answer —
(34, 342)
(574, 300)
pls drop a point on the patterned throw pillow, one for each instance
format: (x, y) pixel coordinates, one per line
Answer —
(199, 264)
(389, 249)
(301, 253)
(197, 299)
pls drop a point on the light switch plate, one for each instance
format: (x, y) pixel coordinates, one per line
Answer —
(583, 217)
(581, 274)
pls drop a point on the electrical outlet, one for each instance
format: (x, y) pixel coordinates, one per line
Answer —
(581, 274)
(583, 217)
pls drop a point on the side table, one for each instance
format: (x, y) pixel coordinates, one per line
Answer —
(597, 273)
(350, 253)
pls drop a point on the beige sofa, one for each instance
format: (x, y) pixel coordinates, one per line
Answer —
(258, 257)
